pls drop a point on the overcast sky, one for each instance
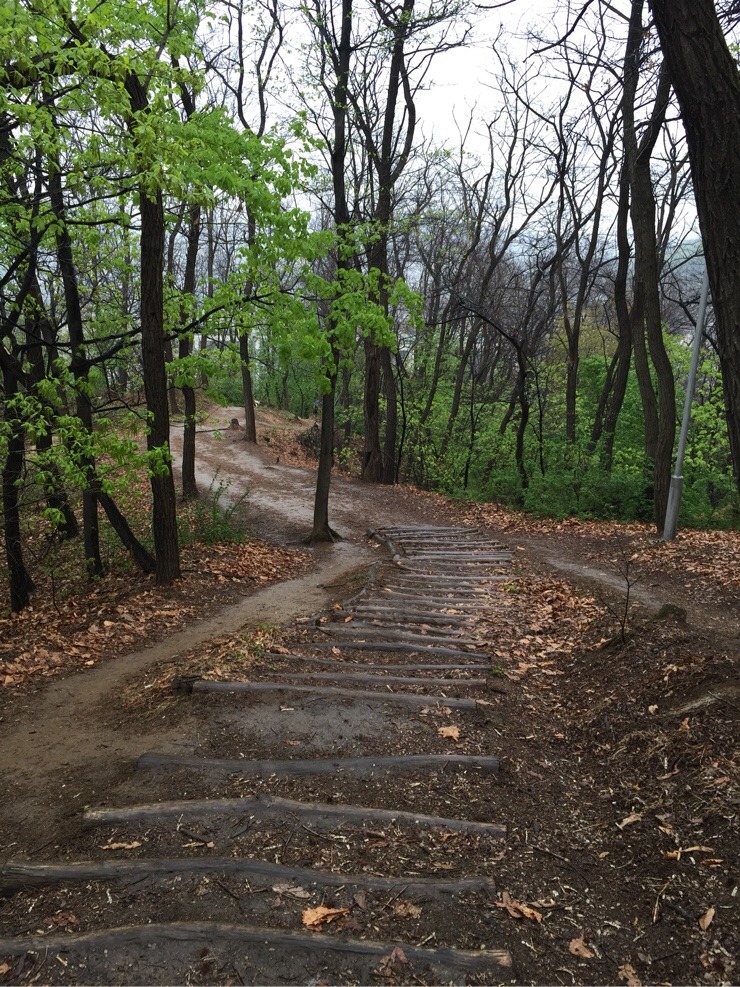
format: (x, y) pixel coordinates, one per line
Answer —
(458, 81)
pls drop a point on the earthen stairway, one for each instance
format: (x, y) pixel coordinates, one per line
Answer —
(394, 696)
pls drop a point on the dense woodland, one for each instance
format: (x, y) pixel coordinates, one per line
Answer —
(245, 201)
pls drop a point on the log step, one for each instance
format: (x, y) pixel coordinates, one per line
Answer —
(416, 649)
(378, 678)
(23, 874)
(318, 766)
(356, 667)
(410, 699)
(271, 807)
(210, 932)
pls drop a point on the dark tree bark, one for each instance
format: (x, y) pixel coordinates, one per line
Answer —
(164, 512)
(56, 495)
(706, 81)
(151, 260)
(322, 530)
(189, 486)
(20, 583)
(78, 366)
(372, 454)
(250, 422)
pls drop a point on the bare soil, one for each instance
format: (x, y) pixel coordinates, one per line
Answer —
(615, 723)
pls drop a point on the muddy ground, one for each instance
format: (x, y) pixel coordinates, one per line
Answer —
(616, 727)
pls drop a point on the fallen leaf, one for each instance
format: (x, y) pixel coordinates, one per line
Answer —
(629, 820)
(628, 973)
(707, 918)
(452, 732)
(198, 844)
(321, 915)
(395, 957)
(63, 919)
(579, 948)
(404, 909)
(121, 846)
(4, 968)
(517, 909)
(293, 891)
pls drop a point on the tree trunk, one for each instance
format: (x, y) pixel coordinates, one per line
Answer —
(390, 438)
(19, 581)
(185, 348)
(372, 456)
(250, 423)
(457, 393)
(56, 495)
(164, 514)
(129, 540)
(321, 530)
(79, 368)
(706, 81)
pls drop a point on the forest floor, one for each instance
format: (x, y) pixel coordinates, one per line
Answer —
(614, 711)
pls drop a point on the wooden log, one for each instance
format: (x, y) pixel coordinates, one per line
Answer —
(410, 699)
(24, 874)
(379, 612)
(209, 932)
(431, 529)
(462, 556)
(389, 624)
(462, 602)
(363, 631)
(397, 666)
(319, 766)
(378, 678)
(271, 806)
(401, 646)
(474, 579)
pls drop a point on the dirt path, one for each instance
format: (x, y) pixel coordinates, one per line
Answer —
(437, 772)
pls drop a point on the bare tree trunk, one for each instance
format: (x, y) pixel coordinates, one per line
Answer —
(372, 456)
(151, 261)
(705, 77)
(20, 583)
(250, 422)
(322, 530)
(390, 438)
(164, 513)
(189, 486)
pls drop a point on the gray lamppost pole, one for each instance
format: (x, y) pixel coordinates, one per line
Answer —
(674, 494)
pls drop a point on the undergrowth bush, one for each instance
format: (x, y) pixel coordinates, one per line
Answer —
(214, 518)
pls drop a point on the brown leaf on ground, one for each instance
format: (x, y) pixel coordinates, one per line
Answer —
(453, 733)
(630, 820)
(389, 964)
(518, 909)
(628, 973)
(404, 909)
(321, 915)
(579, 948)
(707, 918)
(122, 846)
(293, 891)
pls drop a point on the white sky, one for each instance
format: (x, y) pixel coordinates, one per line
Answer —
(458, 81)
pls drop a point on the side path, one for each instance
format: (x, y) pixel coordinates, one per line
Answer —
(406, 652)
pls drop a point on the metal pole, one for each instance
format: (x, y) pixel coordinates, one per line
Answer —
(674, 494)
